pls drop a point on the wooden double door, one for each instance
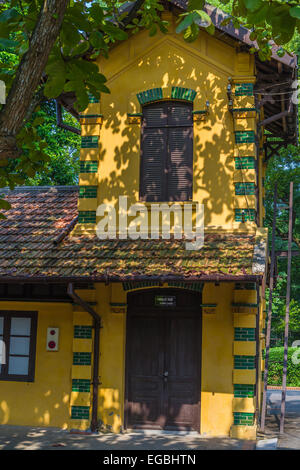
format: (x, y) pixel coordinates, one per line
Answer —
(163, 360)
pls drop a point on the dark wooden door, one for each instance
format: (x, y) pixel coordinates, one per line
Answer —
(163, 364)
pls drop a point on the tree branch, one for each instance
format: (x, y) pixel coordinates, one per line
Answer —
(29, 74)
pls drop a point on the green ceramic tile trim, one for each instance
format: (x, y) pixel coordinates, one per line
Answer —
(92, 98)
(242, 215)
(183, 93)
(81, 359)
(87, 217)
(83, 331)
(89, 166)
(244, 334)
(81, 385)
(244, 137)
(238, 110)
(88, 192)
(147, 96)
(138, 285)
(244, 362)
(242, 189)
(244, 391)
(243, 89)
(246, 419)
(80, 412)
(197, 286)
(244, 163)
(90, 116)
(89, 141)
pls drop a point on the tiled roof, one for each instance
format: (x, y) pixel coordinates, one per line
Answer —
(40, 215)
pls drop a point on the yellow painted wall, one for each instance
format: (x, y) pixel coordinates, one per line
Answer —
(44, 402)
(142, 63)
(112, 361)
(217, 361)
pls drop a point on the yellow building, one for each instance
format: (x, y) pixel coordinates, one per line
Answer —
(138, 330)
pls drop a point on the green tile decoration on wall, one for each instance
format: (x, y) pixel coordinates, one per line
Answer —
(88, 166)
(81, 385)
(87, 217)
(139, 285)
(82, 358)
(89, 116)
(89, 142)
(80, 412)
(244, 215)
(244, 89)
(148, 96)
(244, 362)
(88, 192)
(244, 137)
(244, 334)
(244, 391)
(246, 419)
(183, 93)
(92, 98)
(83, 331)
(244, 163)
(242, 189)
(196, 286)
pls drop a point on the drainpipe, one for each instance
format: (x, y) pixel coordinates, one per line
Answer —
(257, 338)
(96, 352)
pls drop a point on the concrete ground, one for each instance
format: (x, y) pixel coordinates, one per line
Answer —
(34, 438)
(37, 438)
(291, 437)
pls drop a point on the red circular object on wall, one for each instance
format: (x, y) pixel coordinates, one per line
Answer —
(51, 344)
(52, 332)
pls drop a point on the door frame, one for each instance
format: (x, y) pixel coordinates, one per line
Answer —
(167, 291)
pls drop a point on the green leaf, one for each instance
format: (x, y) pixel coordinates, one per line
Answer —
(114, 32)
(185, 23)
(253, 5)
(96, 12)
(81, 48)
(8, 15)
(153, 30)
(54, 85)
(8, 43)
(4, 204)
(96, 40)
(69, 34)
(295, 12)
(196, 4)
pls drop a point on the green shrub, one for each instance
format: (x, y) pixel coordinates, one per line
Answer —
(276, 367)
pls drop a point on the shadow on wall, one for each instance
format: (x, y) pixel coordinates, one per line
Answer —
(213, 138)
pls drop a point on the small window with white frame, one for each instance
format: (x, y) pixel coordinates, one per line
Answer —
(17, 345)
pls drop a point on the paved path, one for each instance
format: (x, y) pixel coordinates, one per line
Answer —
(31, 438)
(292, 401)
(291, 438)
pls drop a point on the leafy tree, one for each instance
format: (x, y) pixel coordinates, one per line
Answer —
(55, 43)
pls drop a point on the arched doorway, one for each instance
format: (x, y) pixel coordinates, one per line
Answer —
(163, 360)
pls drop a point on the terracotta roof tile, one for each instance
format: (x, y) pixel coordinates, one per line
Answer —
(39, 215)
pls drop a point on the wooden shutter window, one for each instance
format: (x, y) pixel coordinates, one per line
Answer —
(166, 152)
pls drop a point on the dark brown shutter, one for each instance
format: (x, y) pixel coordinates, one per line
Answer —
(167, 152)
(154, 152)
(180, 152)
